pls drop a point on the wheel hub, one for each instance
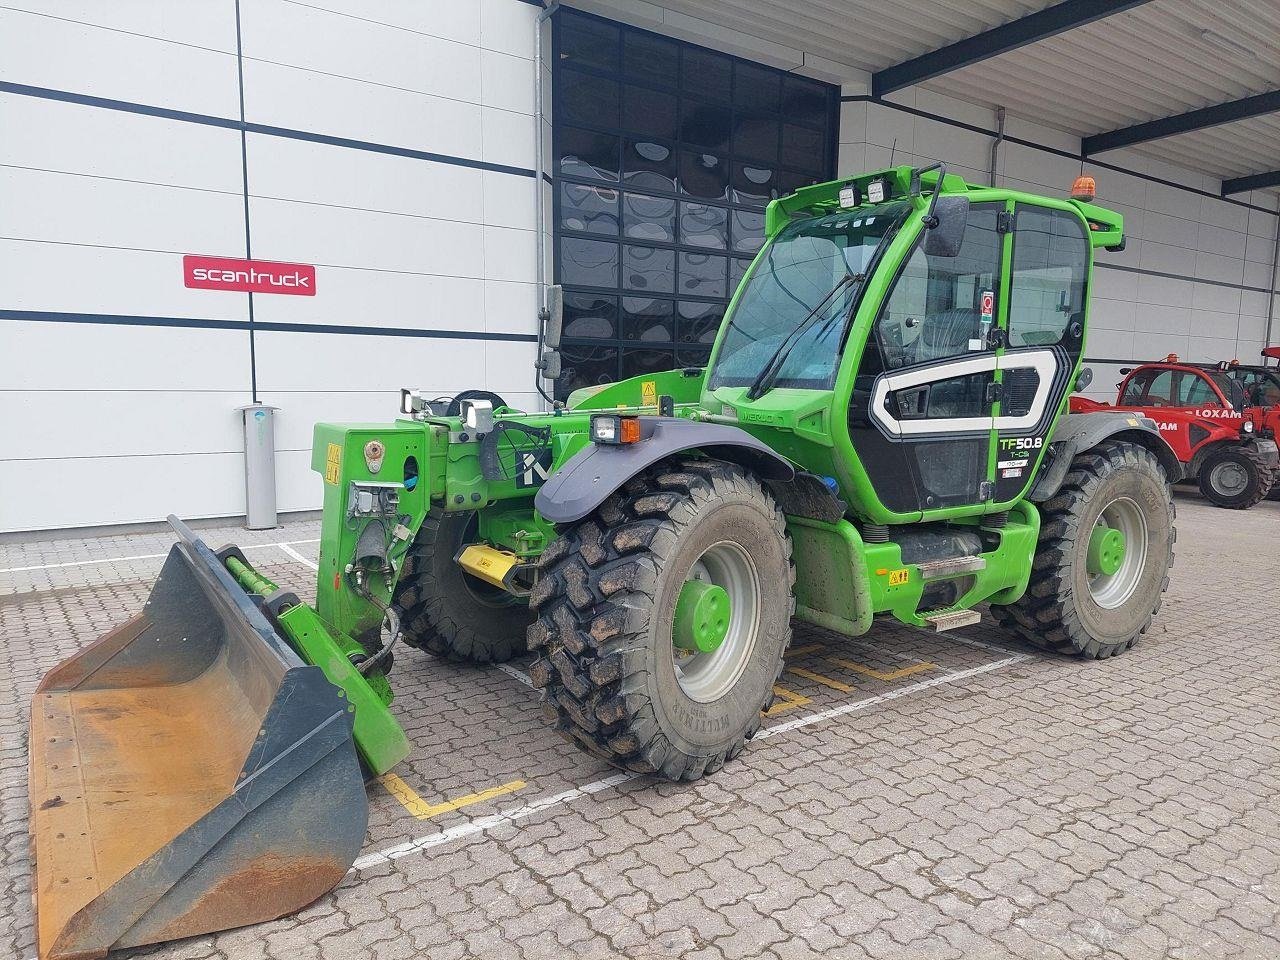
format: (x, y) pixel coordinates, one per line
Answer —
(702, 617)
(715, 621)
(1106, 551)
(1117, 553)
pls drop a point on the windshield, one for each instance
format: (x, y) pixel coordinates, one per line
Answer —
(799, 268)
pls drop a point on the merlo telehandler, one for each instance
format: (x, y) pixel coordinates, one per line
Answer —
(881, 431)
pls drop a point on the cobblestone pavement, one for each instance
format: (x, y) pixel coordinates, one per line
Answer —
(915, 797)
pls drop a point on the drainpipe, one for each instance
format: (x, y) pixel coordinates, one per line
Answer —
(1271, 288)
(539, 171)
(995, 145)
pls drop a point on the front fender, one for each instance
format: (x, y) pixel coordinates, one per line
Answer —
(591, 474)
(1078, 432)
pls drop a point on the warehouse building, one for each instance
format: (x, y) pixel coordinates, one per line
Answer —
(378, 163)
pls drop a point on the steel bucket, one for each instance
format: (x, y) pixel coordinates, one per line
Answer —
(188, 773)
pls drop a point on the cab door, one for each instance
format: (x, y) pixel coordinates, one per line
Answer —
(921, 414)
(1042, 338)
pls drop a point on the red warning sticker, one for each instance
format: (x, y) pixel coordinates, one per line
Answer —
(988, 304)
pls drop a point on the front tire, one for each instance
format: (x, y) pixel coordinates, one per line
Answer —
(1235, 478)
(1086, 596)
(614, 682)
(446, 611)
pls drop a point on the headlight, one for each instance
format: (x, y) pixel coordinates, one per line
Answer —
(1246, 427)
(612, 429)
(877, 191)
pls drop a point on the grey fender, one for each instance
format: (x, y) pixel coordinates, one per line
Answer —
(594, 472)
(1078, 432)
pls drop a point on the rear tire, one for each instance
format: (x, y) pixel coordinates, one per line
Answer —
(1066, 608)
(446, 611)
(1235, 478)
(605, 604)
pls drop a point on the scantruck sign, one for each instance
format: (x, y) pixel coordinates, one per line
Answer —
(251, 276)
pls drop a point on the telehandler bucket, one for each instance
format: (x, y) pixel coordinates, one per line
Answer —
(189, 773)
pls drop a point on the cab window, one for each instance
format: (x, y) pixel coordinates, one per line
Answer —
(935, 310)
(1050, 264)
(1197, 391)
(1149, 388)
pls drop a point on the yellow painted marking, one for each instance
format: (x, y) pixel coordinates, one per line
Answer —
(425, 811)
(790, 699)
(801, 651)
(819, 678)
(881, 675)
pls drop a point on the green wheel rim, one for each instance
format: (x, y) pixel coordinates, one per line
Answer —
(723, 590)
(1117, 554)
(1106, 551)
(702, 616)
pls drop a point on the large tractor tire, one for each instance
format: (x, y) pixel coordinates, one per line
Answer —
(1235, 478)
(446, 611)
(662, 619)
(1102, 564)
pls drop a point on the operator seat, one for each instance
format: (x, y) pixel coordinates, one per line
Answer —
(944, 335)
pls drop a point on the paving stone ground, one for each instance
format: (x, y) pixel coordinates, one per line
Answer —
(917, 797)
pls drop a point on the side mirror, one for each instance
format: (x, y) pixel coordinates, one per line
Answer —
(945, 236)
(552, 320)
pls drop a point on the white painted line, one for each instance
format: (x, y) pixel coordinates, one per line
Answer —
(485, 824)
(285, 548)
(140, 556)
(856, 705)
(511, 671)
(980, 644)
(81, 563)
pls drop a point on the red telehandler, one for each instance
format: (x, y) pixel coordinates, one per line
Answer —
(1224, 443)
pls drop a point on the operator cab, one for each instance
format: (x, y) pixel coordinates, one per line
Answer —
(946, 319)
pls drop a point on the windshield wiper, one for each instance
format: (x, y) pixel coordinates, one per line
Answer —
(765, 379)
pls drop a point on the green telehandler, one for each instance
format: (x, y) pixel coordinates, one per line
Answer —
(881, 430)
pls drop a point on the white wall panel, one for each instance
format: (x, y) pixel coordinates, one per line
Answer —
(91, 357)
(281, 168)
(509, 201)
(46, 52)
(209, 23)
(381, 298)
(89, 491)
(283, 96)
(510, 254)
(125, 422)
(320, 361)
(361, 238)
(507, 82)
(66, 278)
(508, 138)
(298, 487)
(449, 21)
(509, 367)
(112, 143)
(510, 307)
(72, 209)
(359, 49)
(507, 27)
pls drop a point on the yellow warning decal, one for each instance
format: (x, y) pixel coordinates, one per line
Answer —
(333, 464)
(899, 578)
(649, 393)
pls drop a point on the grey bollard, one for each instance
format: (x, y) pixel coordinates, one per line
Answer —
(259, 466)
